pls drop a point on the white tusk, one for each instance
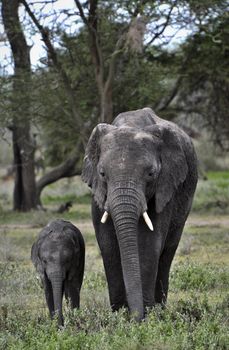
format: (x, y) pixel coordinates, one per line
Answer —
(147, 220)
(104, 217)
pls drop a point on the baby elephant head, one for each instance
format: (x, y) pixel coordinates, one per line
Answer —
(58, 255)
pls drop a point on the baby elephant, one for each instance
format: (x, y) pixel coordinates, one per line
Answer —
(58, 255)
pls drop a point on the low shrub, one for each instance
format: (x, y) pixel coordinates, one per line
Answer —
(201, 277)
(188, 324)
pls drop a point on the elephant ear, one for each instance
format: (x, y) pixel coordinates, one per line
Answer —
(174, 166)
(77, 266)
(35, 250)
(73, 234)
(36, 259)
(92, 154)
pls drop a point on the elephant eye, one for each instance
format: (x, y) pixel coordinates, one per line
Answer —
(102, 173)
(151, 173)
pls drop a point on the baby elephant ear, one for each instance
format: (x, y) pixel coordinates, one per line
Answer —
(174, 166)
(36, 259)
(92, 154)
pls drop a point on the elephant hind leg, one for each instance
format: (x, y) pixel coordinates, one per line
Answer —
(116, 287)
(113, 270)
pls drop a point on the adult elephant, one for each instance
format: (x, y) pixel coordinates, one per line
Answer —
(140, 167)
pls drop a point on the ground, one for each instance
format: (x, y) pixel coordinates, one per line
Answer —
(196, 316)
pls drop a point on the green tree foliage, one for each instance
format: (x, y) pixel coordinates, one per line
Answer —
(205, 88)
(120, 57)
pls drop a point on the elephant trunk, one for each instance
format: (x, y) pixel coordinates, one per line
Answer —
(57, 287)
(125, 207)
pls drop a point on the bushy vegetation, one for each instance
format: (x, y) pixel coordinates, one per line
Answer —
(196, 316)
(189, 325)
(193, 276)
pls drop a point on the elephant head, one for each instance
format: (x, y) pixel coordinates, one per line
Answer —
(127, 167)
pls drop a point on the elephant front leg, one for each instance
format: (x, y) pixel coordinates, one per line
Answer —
(72, 293)
(117, 293)
(149, 278)
(108, 244)
(149, 248)
(113, 269)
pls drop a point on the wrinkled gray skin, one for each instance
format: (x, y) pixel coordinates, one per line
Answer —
(138, 163)
(58, 255)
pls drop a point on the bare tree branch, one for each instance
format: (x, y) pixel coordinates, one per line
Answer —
(57, 63)
(68, 168)
(104, 84)
(164, 103)
(81, 12)
(162, 26)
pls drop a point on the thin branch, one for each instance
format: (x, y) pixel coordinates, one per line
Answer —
(52, 52)
(96, 52)
(164, 25)
(164, 103)
(114, 55)
(81, 13)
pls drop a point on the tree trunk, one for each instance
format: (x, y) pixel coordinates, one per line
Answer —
(23, 145)
(106, 106)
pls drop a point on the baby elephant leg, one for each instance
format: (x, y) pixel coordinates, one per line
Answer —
(72, 293)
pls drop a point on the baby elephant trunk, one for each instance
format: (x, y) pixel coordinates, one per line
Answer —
(57, 287)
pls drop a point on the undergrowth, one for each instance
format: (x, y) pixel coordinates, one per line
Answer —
(188, 324)
(196, 315)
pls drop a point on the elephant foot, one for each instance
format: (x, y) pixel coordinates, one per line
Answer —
(117, 306)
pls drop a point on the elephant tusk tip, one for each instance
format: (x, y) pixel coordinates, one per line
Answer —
(104, 217)
(148, 221)
(151, 227)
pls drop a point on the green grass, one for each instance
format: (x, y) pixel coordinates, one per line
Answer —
(218, 175)
(55, 199)
(39, 218)
(212, 195)
(196, 315)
